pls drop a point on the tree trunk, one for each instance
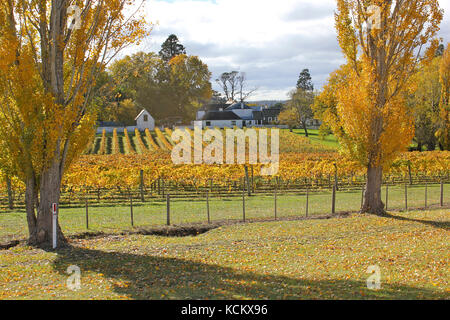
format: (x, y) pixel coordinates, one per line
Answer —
(372, 195)
(419, 146)
(41, 235)
(30, 204)
(306, 129)
(10, 193)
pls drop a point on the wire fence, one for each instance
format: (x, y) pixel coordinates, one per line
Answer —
(127, 209)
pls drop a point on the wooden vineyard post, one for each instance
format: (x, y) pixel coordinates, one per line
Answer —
(442, 193)
(406, 197)
(247, 181)
(336, 176)
(307, 200)
(333, 201)
(163, 187)
(253, 181)
(87, 209)
(426, 194)
(131, 207)
(276, 213)
(243, 201)
(409, 173)
(168, 209)
(141, 186)
(207, 207)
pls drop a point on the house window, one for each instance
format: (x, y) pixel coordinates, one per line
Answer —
(208, 123)
(233, 123)
(145, 118)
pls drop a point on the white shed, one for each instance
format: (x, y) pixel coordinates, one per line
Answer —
(145, 121)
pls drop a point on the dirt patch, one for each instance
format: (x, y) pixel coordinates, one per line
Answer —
(9, 244)
(196, 229)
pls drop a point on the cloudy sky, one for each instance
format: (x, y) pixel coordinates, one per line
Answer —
(270, 40)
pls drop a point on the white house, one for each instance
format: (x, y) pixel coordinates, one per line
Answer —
(229, 116)
(144, 120)
(221, 119)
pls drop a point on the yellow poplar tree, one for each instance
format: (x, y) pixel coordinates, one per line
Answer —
(51, 52)
(443, 133)
(382, 41)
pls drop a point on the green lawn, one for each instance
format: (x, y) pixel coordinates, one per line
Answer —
(314, 259)
(313, 135)
(114, 218)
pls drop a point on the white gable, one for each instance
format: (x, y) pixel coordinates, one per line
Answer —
(144, 120)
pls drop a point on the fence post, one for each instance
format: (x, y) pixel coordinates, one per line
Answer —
(207, 206)
(387, 195)
(336, 176)
(406, 196)
(168, 209)
(276, 214)
(307, 200)
(249, 190)
(131, 207)
(442, 193)
(141, 186)
(87, 209)
(163, 187)
(409, 172)
(253, 181)
(426, 194)
(333, 201)
(243, 201)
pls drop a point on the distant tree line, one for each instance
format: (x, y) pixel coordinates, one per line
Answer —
(170, 84)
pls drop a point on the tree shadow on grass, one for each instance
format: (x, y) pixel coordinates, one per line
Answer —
(436, 224)
(154, 277)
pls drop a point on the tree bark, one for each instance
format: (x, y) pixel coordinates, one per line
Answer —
(30, 204)
(10, 193)
(372, 195)
(41, 235)
(305, 128)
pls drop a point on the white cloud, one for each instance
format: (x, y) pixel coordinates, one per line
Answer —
(272, 41)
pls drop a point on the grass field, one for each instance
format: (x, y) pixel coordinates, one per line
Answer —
(314, 137)
(111, 218)
(314, 259)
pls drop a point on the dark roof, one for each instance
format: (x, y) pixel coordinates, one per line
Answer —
(109, 124)
(272, 113)
(224, 115)
(258, 115)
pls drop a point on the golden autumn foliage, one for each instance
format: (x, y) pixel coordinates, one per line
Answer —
(443, 133)
(48, 71)
(382, 42)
